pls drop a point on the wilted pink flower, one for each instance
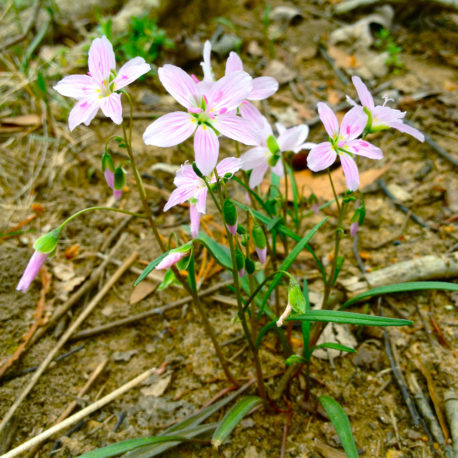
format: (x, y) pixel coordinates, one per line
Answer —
(354, 227)
(98, 88)
(343, 142)
(380, 116)
(110, 179)
(171, 259)
(31, 271)
(260, 158)
(209, 113)
(263, 86)
(192, 188)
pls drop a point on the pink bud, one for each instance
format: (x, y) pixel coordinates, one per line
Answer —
(262, 254)
(31, 271)
(109, 178)
(316, 208)
(232, 228)
(354, 228)
(241, 272)
(170, 260)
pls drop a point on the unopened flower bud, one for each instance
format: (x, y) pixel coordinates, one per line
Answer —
(260, 242)
(284, 315)
(262, 254)
(240, 262)
(249, 265)
(230, 216)
(354, 228)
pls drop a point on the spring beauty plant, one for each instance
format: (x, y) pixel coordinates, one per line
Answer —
(259, 247)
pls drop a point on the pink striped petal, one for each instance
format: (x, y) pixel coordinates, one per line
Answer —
(201, 197)
(111, 107)
(280, 128)
(262, 254)
(170, 260)
(178, 84)
(259, 123)
(263, 87)
(229, 91)
(77, 86)
(130, 71)
(206, 149)
(195, 221)
(84, 111)
(291, 138)
(328, 118)
(257, 175)
(353, 123)
(363, 93)
(233, 63)
(186, 177)
(170, 129)
(321, 157)
(408, 130)
(101, 59)
(206, 64)
(351, 171)
(229, 165)
(179, 196)
(236, 128)
(363, 148)
(254, 156)
(31, 271)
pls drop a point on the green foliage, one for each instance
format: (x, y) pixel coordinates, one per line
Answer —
(385, 43)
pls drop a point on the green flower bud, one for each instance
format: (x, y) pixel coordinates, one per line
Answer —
(229, 212)
(47, 243)
(119, 178)
(259, 237)
(249, 265)
(295, 297)
(239, 260)
(107, 162)
(273, 160)
(272, 144)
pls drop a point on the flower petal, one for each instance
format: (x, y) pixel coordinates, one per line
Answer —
(84, 111)
(278, 169)
(233, 63)
(291, 138)
(408, 130)
(112, 107)
(263, 87)
(31, 271)
(363, 148)
(280, 128)
(77, 86)
(236, 128)
(195, 220)
(186, 177)
(206, 149)
(201, 197)
(254, 156)
(229, 165)
(170, 129)
(328, 118)
(206, 64)
(351, 171)
(179, 196)
(321, 157)
(259, 122)
(229, 91)
(101, 59)
(178, 84)
(363, 93)
(353, 123)
(130, 71)
(171, 259)
(257, 175)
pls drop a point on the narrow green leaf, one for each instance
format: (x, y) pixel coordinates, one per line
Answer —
(402, 288)
(341, 423)
(334, 346)
(336, 316)
(295, 194)
(264, 331)
(233, 417)
(290, 259)
(149, 268)
(295, 359)
(169, 279)
(218, 251)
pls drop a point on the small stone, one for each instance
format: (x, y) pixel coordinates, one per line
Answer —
(368, 357)
(254, 49)
(280, 71)
(123, 356)
(227, 43)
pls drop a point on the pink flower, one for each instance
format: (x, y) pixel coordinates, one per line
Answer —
(31, 271)
(380, 116)
(210, 112)
(263, 87)
(171, 259)
(98, 88)
(343, 142)
(260, 158)
(192, 188)
(110, 179)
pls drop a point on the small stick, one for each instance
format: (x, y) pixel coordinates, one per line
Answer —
(90, 307)
(451, 407)
(340, 74)
(82, 413)
(141, 316)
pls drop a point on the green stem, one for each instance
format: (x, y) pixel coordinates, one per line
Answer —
(111, 209)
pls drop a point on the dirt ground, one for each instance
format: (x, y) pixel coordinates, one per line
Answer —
(48, 173)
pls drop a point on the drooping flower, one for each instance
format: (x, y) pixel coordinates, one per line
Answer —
(354, 227)
(171, 259)
(209, 113)
(343, 142)
(381, 117)
(192, 188)
(268, 149)
(98, 89)
(31, 271)
(110, 179)
(263, 86)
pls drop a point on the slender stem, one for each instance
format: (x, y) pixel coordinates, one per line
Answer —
(180, 278)
(334, 190)
(111, 209)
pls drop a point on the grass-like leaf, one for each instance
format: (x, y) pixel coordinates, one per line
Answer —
(402, 288)
(360, 319)
(341, 423)
(233, 417)
(334, 346)
(149, 268)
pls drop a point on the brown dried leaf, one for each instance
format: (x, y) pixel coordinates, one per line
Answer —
(23, 121)
(143, 289)
(342, 59)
